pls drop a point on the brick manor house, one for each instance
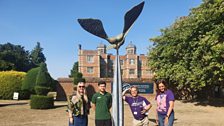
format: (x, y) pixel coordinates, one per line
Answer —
(97, 63)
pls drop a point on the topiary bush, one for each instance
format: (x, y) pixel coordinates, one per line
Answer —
(41, 102)
(43, 86)
(24, 94)
(40, 90)
(53, 84)
(43, 77)
(10, 82)
(30, 80)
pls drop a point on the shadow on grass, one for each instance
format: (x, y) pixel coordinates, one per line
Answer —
(216, 102)
(58, 106)
(9, 104)
(154, 120)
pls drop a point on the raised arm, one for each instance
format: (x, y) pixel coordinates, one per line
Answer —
(124, 92)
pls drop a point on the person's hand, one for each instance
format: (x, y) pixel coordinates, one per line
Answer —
(143, 111)
(128, 89)
(166, 121)
(157, 122)
(71, 120)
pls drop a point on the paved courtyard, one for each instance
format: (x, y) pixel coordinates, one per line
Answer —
(18, 113)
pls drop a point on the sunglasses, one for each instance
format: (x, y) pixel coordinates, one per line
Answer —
(81, 86)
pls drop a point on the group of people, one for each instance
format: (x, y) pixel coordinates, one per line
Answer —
(79, 106)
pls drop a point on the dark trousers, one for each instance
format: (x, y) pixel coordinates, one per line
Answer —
(107, 122)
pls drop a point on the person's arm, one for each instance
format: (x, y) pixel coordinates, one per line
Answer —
(110, 102)
(93, 106)
(70, 106)
(69, 113)
(146, 107)
(70, 116)
(171, 103)
(170, 108)
(169, 111)
(157, 118)
(93, 102)
(124, 92)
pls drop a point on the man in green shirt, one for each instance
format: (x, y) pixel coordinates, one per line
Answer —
(101, 102)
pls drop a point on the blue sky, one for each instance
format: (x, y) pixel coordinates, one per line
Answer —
(54, 24)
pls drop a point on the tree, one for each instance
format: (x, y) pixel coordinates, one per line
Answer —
(77, 76)
(14, 57)
(37, 55)
(190, 53)
(74, 69)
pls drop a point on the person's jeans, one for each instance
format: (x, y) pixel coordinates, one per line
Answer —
(79, 121)
(162, 117)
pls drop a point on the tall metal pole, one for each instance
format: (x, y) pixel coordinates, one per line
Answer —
(95, 27)
(117, 104)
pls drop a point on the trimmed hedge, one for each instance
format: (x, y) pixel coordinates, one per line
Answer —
(30, 80)
(40, 90)
(41, 102)
(10, 82)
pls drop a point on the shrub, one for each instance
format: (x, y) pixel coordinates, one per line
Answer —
(30, 80)
(40, 90)
(43, 83)
(53, 84)
(41, 102)
(24, 94)
(43, 77)
(10, 81)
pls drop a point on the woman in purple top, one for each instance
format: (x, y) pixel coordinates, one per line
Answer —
(139, 106)
(165, 104)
